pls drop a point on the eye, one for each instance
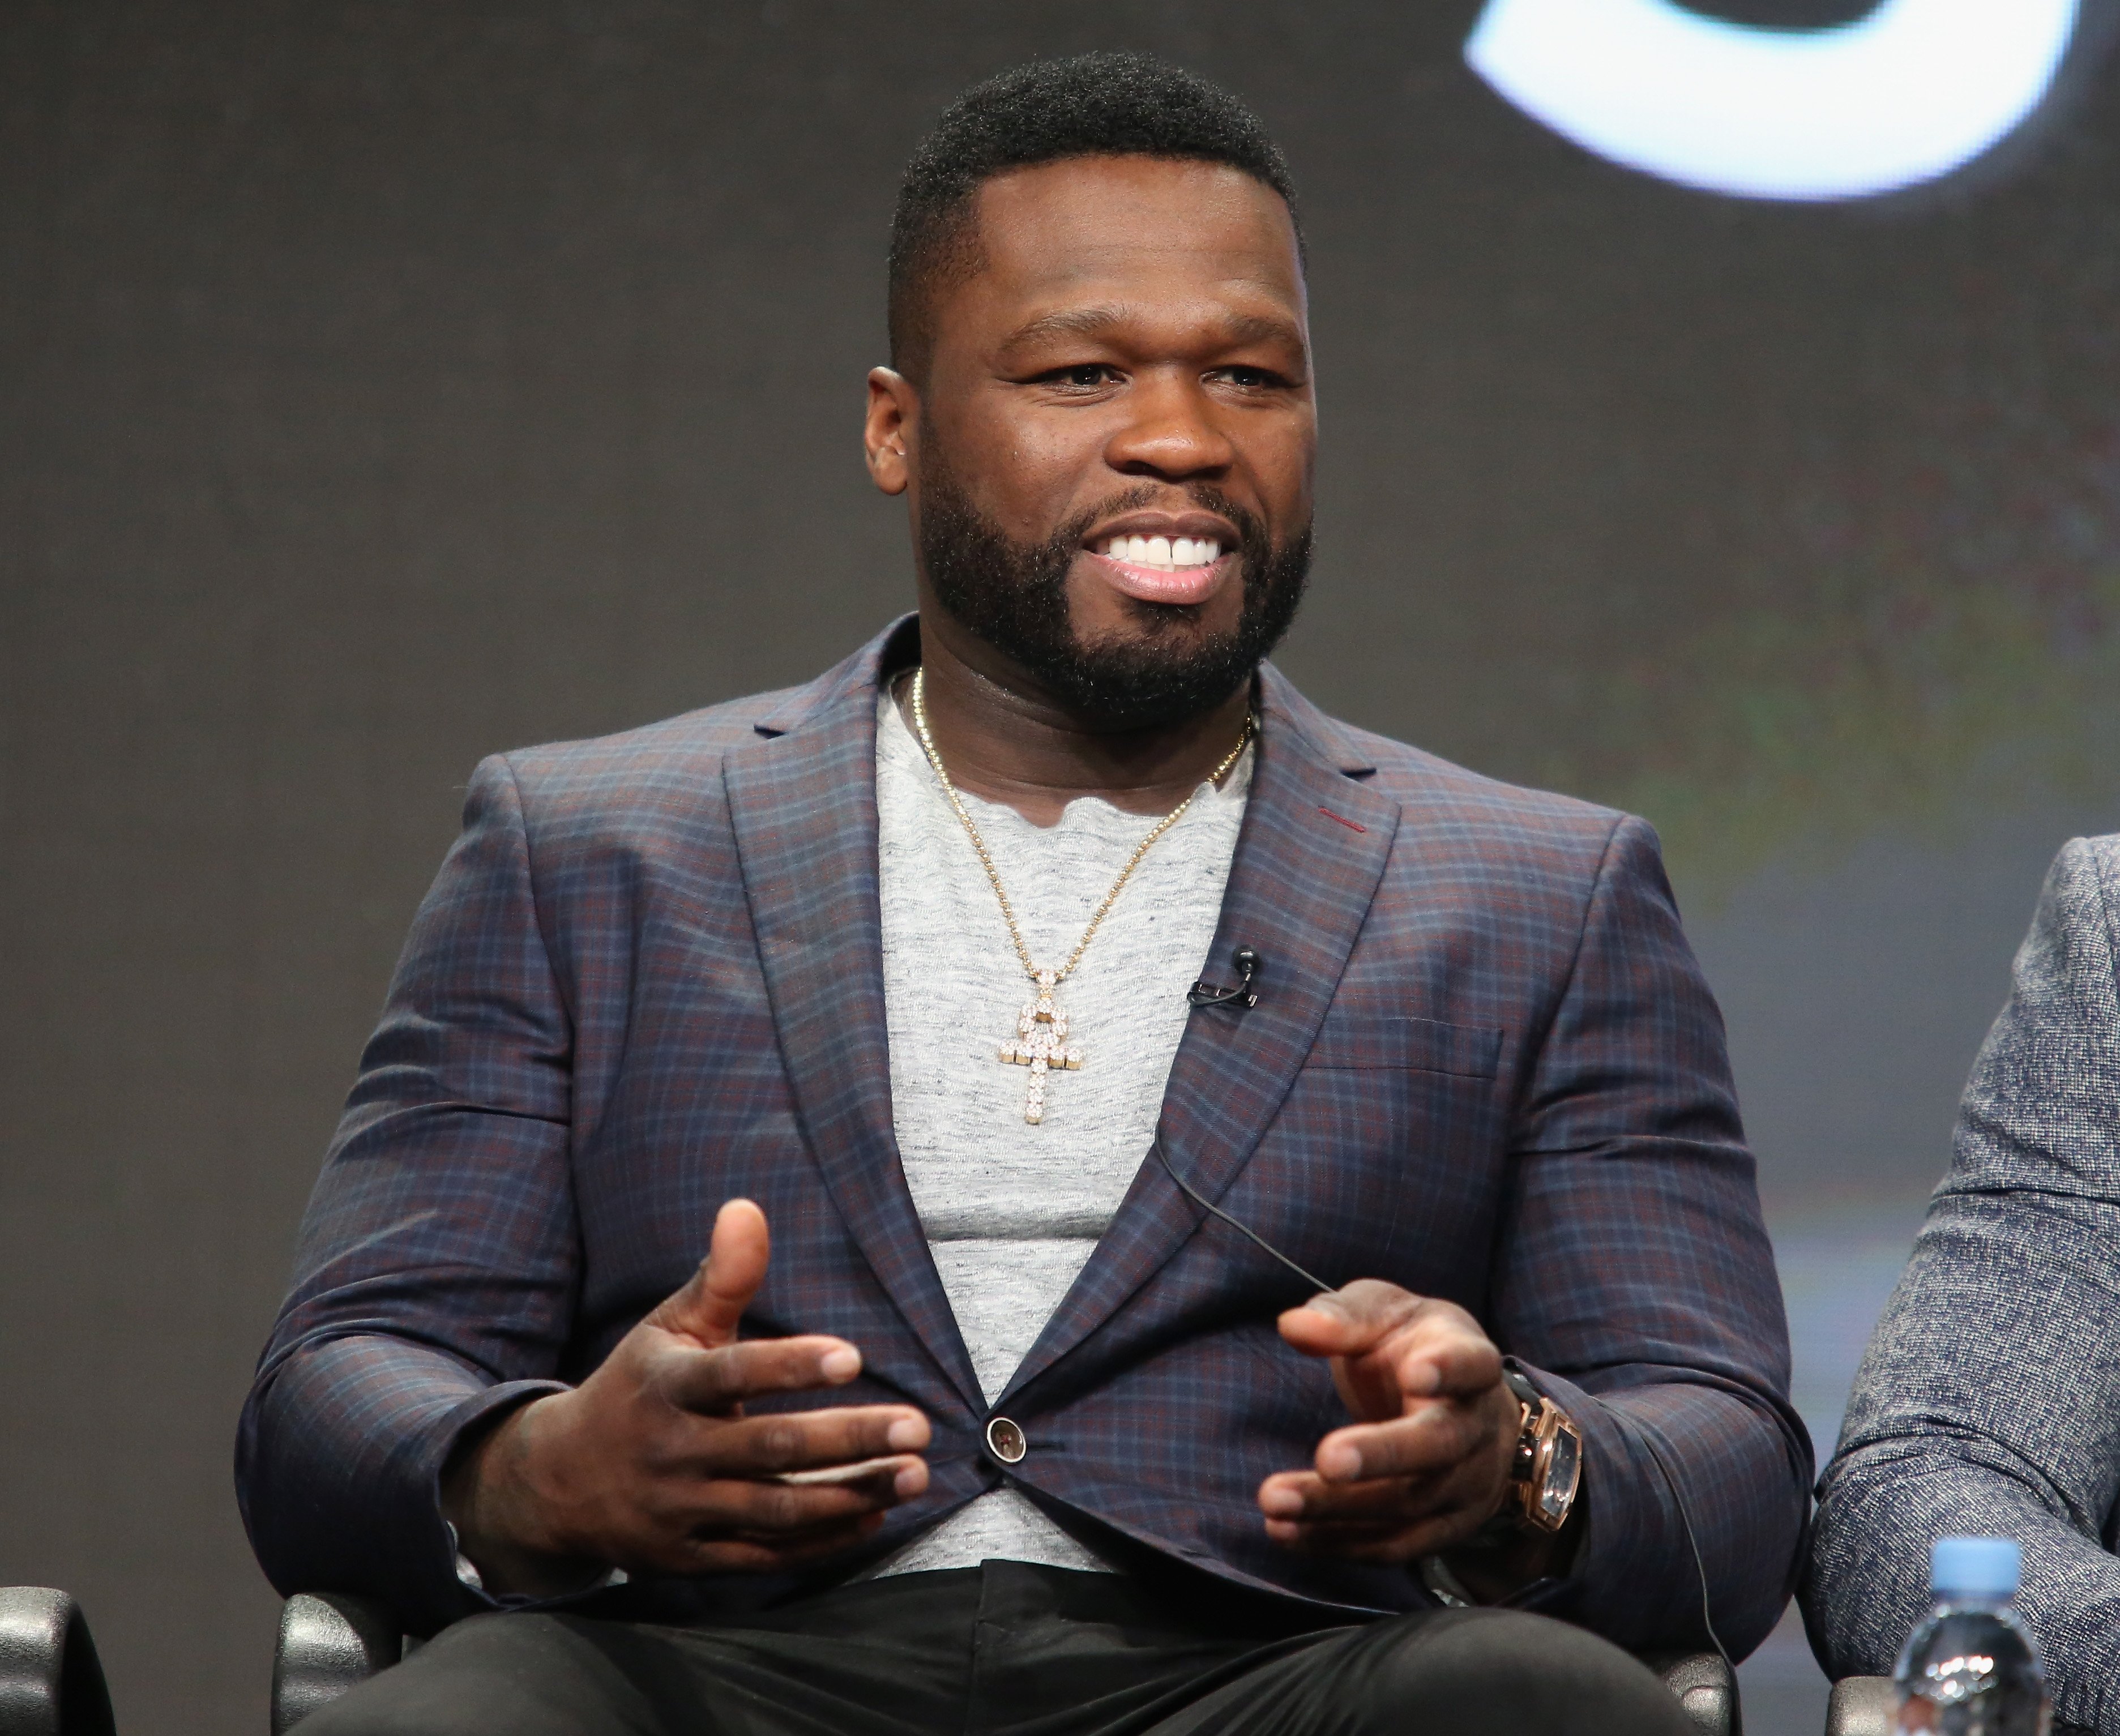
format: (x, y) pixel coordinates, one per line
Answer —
(1082, 376)
(1247, 379)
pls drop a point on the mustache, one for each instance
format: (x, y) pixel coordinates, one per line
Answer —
(1251, 530)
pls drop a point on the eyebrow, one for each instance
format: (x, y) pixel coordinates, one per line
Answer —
(1238, 328)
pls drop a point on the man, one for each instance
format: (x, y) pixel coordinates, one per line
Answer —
(1987, 1402)
(975, 1416)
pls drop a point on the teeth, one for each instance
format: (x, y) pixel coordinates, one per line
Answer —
(1165, 552)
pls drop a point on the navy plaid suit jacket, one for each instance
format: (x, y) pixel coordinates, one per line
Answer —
(1484, 1066)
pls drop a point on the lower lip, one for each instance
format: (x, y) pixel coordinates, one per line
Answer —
(1161, 585)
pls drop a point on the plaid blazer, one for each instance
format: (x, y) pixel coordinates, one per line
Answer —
(1483, 1066)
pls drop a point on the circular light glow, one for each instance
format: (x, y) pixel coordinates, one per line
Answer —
(1914, 91)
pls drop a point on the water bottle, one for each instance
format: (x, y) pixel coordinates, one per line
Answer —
(1969, 1668)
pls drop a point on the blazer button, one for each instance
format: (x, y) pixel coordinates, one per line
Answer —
(1004, 1440)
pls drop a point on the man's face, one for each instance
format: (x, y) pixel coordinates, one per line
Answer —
(1110, 461)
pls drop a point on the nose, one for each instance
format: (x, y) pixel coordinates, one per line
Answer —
(1170, 431)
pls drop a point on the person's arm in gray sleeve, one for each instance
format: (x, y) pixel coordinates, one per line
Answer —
(1988, 1402)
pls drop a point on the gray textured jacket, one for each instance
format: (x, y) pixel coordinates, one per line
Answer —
(1988, 1401)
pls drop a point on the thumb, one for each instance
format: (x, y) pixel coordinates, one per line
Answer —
(712, 1301)
(1350, 1321)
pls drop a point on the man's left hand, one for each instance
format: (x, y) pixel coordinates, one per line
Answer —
(1426, 1463)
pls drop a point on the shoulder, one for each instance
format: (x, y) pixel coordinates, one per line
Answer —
(1447, 811)
(2085, 878)
(638, 766)
(1432, 789)
(667, 770)
(2076, 931)
(2038, 1110)
(653, 792)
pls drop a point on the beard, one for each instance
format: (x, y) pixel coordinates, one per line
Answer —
(1013, 596)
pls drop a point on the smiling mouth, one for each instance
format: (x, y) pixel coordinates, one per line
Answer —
(1162, 569)
(1166, 554)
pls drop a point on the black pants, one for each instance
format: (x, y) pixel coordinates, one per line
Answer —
(1015, 1649)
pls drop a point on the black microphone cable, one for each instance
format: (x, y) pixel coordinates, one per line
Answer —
(1647, 1436)
(1317, 1283)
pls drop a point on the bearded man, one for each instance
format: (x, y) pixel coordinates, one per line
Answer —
(1029, 1416)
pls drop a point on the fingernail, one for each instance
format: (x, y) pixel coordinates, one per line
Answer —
(1281, 1503)
(909, 1482)
(907, 1434)
(1339, 1461)
(842, 1364)
(1420, 1379)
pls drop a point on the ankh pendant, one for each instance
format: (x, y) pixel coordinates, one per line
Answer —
(1041, 1045)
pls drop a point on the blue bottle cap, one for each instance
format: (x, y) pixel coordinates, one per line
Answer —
(1974, 1567)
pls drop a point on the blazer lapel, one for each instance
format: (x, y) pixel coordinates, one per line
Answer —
(1313, 848)
(802, 804)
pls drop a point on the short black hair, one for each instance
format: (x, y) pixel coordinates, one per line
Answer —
(1044, 111)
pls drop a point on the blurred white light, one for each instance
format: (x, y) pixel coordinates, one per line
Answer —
(1908, 93)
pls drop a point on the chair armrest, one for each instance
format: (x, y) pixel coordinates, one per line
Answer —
(51, 1682)
(1703, 1687)
(1862, 1706)
(328, 1643)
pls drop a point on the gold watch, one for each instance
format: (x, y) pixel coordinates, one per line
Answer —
(1547, 1473)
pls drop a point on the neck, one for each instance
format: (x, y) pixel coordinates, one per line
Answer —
(1005, 740)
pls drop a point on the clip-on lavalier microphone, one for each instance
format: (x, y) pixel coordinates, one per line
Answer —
(1205, 994)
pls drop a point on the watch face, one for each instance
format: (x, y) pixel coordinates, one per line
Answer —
(1558, 1487)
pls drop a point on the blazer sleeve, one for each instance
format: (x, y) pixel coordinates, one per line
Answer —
(1636, 1283)
(1988, 1401)
(436, 1271)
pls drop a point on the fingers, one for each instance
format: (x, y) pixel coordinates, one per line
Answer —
(756, 1524)
(1433, 1437)
(712, 1301)
(808, 1441)
(1388, 1345)
(1350, 1320)
(1377, 1519)
(770, 1510)
(1389, 1491)
(1437, 1355)
(712, 1382)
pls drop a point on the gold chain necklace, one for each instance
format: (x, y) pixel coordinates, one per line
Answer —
(1041, 1032)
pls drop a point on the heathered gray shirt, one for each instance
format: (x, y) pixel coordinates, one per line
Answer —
(1011, 1210)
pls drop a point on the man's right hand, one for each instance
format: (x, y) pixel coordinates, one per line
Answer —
(651, 1465)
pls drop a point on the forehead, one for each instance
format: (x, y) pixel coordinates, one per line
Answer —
(1138, 229)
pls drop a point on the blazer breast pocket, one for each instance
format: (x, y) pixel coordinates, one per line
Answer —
(1374, 1039)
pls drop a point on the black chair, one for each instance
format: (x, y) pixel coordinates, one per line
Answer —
(329, 1643)
(51, 1681)
(1862, 1706)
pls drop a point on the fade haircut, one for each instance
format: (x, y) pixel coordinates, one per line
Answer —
(1045, 111)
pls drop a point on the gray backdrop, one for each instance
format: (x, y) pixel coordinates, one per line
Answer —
(383, 384)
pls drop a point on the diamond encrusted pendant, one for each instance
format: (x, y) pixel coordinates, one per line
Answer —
(1041, 1045)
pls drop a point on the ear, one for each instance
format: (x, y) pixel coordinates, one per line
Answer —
(887, 435)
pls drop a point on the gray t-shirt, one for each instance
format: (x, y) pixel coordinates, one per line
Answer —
(1012, 1210)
